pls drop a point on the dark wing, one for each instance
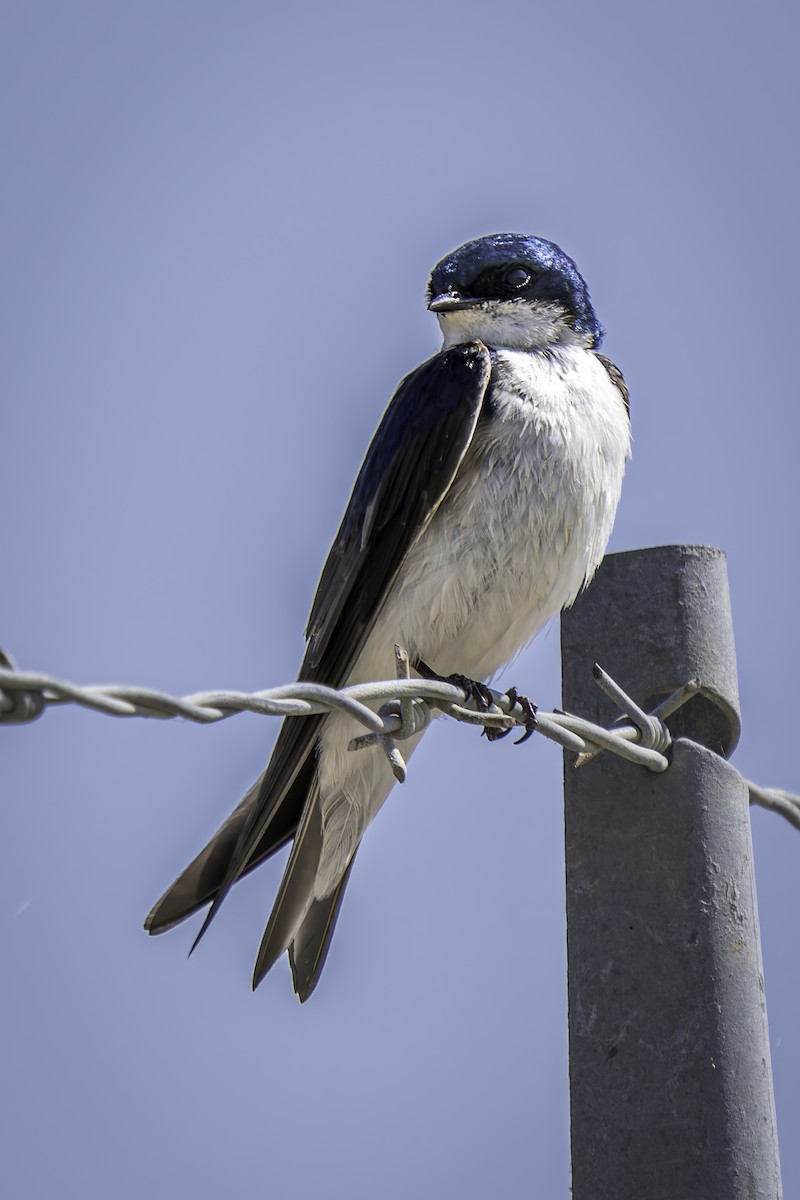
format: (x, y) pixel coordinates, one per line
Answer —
(201, 880)
(616, 377)
(409, 468)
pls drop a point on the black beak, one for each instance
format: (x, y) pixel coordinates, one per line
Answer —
(452, 302)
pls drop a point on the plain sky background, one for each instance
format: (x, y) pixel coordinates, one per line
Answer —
(217, 222)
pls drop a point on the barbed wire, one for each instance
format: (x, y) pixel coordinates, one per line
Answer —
(406, 707)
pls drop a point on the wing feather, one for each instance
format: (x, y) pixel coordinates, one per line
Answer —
(408, 470)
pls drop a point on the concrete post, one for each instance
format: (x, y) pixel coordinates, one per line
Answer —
(670, 1075)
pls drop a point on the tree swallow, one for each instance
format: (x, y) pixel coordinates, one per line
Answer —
(483, 507)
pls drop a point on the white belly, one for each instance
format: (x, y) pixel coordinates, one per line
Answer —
(523, 527)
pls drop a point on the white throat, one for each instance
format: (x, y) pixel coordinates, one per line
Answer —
(512, 324)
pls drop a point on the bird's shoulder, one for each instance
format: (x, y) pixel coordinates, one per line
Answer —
(616, 377)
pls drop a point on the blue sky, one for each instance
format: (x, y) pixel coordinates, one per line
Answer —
(207, 210)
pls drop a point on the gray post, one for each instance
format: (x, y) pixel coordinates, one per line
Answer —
(670, 1076)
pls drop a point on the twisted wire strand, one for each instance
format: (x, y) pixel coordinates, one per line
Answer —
(405, 707)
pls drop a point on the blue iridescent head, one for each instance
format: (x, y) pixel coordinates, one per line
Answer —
(515, 268)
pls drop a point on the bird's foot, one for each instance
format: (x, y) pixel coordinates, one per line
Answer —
(478, 692)
(481, 695)
(528, 711)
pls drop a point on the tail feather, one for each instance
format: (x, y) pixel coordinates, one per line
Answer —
(296, 892)
(309, 948)
(201, 880)
(298, 922)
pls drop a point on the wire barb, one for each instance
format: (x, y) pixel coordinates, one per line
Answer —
(646, 728)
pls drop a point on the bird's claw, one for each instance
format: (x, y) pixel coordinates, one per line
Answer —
(493, 734)
(528, 711)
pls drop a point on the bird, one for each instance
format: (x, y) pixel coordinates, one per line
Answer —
(483, 507)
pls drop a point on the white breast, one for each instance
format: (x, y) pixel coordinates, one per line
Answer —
(526, 522)
(523, 527)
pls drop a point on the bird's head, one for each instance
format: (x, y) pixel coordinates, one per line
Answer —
(515, 291)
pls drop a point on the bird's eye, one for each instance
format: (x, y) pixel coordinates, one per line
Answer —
(516, 277)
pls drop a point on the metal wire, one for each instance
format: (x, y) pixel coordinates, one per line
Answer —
(776, 800)
(405, 707)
